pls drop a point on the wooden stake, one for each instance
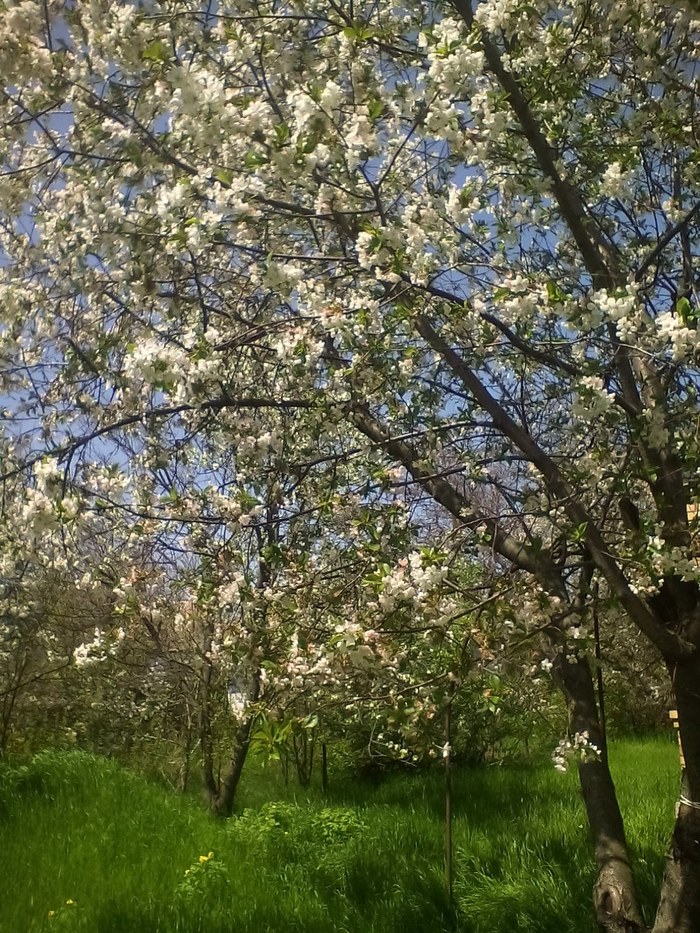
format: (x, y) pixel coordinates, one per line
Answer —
(673, 716)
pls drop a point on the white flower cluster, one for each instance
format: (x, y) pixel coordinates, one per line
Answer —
(44, 508)
(672, 332)
(90, 652)
(360, 137)
(283, 277)
(372, 248)
(523, 301)
(153, 361)
(451, 61)
(667, 560)
(331, 97)
(196, 91)
(351, 642)
(23, 54)
(603, 306)
(593, 399)
(411, 581)
(303, 667)
(257, 447)
(614, 181)
(125, 593)
(491, 118)
(46, 473)
(237, 701)
(578, 748)
(229, 594)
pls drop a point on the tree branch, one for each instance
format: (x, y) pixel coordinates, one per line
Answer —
(572, 207)
(213, 405)
(670, 645)
(665, 240)
(515, 551)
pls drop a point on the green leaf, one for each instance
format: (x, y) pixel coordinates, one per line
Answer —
(272, 553)
(554, 293)
(375, 108)
(358, 31)
(686, 312)
(224, 176)
(255, 160)
(307, 144)
(246, 501)
(156, 51)
(579, 533)
(282, 132)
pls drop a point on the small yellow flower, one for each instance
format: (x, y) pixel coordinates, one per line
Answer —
(206, 858)
(52, 913)
(70, 902)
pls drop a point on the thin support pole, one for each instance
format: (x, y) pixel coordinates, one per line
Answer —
(599, 681)
(446, 754)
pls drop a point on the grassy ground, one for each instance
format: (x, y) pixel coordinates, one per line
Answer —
(85, 845)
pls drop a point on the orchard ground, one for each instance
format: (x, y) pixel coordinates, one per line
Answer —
(89, 846)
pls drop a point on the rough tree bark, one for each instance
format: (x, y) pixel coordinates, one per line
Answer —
(679, 905)
(221, 790)
(614, 894)
(221, 801)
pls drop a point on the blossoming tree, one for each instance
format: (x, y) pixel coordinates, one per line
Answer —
(452, 243)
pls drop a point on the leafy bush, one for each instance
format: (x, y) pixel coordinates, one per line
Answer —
(206, 881)
(321, 839)
(279, 823)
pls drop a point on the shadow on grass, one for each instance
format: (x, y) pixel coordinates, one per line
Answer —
(522, 852)
(362, 859)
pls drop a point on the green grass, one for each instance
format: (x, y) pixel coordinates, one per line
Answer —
(367, 859)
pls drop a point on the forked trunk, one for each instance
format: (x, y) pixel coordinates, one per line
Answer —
(221, 802)
(614, 894)
(679, 906)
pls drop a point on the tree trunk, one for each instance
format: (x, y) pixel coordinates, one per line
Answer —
(221, 802)
(205, 734)
(303, 747)
(324, 768)
(9, 701)
(186, 758)
(679, 905)
(614, 893)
